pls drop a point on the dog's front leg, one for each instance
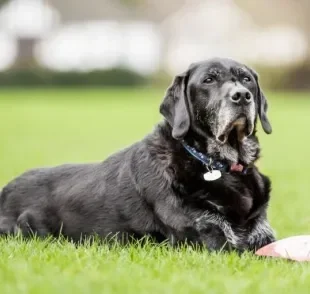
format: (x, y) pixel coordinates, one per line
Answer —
(260, 234)
(251, 237)
(179, 225)
(217, 233)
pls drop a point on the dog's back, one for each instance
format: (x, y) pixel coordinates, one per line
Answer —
(76, 200)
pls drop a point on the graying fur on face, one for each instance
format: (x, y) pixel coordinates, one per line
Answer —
(247, 150)
(228, 114)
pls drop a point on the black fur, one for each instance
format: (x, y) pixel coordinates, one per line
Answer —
(155, 187)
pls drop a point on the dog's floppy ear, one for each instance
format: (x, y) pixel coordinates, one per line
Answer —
(262, 106)
(262, 112)
(174, 107)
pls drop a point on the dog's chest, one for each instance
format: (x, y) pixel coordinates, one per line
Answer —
(233, 199)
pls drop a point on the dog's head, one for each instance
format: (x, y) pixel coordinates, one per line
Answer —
(218, 98)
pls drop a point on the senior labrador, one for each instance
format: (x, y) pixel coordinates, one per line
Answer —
(192, 179)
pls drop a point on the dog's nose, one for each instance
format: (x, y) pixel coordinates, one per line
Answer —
(241, 97)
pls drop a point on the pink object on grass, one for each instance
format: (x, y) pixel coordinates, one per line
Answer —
(295, 248)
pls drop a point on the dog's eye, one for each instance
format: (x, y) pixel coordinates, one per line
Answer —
(247, 79)
(208, 80)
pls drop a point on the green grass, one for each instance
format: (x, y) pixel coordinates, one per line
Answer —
(43, 128)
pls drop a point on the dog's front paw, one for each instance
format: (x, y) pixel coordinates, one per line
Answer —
(208, 219)
(202, 222)
(260, 241)
(261, 235)
(210, 233)
(218, 232)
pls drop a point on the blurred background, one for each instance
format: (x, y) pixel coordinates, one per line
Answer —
(134, 42)
(82, 79)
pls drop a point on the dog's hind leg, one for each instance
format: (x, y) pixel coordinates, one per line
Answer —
(7, 225)
(29, 223)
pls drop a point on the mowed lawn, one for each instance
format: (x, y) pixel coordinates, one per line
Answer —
(50, 127)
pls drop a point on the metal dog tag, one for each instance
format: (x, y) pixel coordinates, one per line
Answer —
(212, 175)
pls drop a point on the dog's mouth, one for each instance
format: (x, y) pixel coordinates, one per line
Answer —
(237, 129)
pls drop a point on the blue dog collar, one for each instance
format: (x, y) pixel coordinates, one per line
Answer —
(212, 164)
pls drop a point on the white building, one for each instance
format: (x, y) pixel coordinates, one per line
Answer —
(201, 29)
(144, 38)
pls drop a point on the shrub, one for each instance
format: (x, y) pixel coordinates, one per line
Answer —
(40, 77)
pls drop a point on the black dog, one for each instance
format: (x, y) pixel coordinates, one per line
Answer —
(192, 179)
